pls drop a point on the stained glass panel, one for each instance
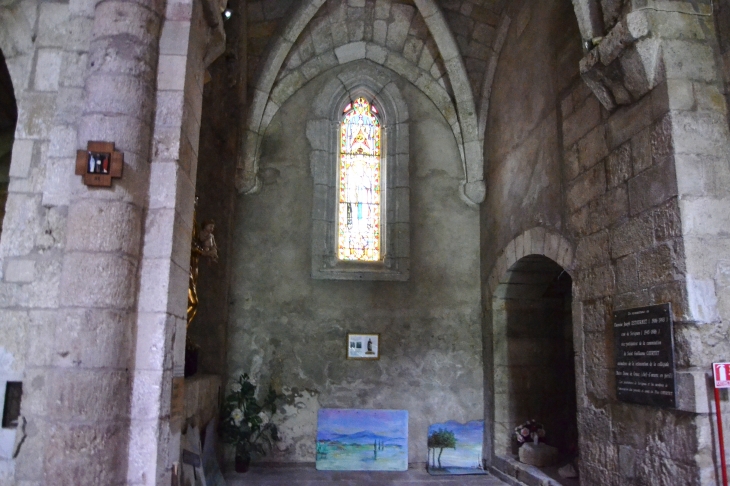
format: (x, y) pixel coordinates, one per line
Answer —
(360, 176)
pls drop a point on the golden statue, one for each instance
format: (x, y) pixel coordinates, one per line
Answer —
(203, 245)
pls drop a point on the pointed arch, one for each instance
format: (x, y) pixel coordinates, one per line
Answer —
(16, 43)
(465, 129)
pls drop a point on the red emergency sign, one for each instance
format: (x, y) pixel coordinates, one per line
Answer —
(721, 371)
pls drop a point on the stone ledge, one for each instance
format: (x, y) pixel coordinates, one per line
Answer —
(513, 472)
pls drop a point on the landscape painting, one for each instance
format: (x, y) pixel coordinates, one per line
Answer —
(362, 440)
(455, 448)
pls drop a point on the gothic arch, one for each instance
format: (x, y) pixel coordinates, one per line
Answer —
(261, 109)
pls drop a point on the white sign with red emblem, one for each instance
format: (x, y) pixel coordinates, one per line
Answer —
(721, 371)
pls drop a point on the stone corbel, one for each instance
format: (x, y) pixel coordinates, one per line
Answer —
(626, 65)
(212, 10)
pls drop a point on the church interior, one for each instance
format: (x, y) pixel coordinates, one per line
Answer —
(514, 206)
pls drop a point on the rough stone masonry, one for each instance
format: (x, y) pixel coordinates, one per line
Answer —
(549, 162)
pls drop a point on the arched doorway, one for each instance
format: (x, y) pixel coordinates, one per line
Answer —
(8, 119)
(534, 358)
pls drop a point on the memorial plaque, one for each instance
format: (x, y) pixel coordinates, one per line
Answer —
(644, 350)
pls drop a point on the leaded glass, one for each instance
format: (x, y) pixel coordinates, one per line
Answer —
(360, 178)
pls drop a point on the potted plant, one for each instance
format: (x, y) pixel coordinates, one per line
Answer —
(246, 422)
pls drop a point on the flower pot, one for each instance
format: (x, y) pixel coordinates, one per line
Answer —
(242, 464)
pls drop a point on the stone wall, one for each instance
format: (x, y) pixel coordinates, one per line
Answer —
(95, 354)
(639, 186)
(289, 330)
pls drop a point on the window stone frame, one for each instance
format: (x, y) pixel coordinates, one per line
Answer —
(377, 85)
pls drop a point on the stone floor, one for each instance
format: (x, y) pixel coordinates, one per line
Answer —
(309, 476)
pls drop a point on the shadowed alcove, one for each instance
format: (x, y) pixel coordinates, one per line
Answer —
(8, 119)
(533, 355)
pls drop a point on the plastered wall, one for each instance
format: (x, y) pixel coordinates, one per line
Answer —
(289, 330)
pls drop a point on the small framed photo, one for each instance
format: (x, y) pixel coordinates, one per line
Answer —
(363, 346)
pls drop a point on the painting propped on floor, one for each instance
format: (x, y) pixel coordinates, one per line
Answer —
(455, 448)
(362, 440)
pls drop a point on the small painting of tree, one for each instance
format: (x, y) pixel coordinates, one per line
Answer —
(441, 439)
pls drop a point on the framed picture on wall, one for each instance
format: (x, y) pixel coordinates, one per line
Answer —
(363, 346)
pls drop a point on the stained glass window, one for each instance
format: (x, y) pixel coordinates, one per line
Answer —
(360, 180)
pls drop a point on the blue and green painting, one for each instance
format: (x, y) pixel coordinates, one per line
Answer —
(362, 440)
(455, 448)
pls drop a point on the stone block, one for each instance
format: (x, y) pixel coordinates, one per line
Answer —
(63, 142)
(20, 271)
(581, 121)
(632, 236)
(159, 233)
(688, 60)
(155, 335)
(597, 315)
(667, 221)
(627, 276)
(587, 187)
(693, 391)
(401, 16)
(539, 455)
(592, 148)
(290, 84)
(628, 121)
(104, 226)
(22, 158)
(376, 53)
(109, 279)
(47, 70)
(660, 264)
(350, 52)
(35, 115)
(653, 187)
(593, 250)
(110, 331)
(86, 454)
(169, 108)
(641, 151)
(595, 282)
(175, 38)
(172, 71)
(618, 166)
(129, 19)
(571, 163)
(700, 133)
(52, 24)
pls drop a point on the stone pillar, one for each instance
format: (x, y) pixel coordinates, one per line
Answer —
(192, 37)
(670, 121)
(87, 399)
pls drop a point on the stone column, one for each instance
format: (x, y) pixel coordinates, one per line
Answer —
(88, 399)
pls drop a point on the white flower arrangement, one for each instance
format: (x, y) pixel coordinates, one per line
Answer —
(530, 430)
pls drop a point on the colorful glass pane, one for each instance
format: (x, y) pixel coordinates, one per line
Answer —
(359, 195)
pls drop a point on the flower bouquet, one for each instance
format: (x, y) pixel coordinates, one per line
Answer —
(246, 422)
(530, 430)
